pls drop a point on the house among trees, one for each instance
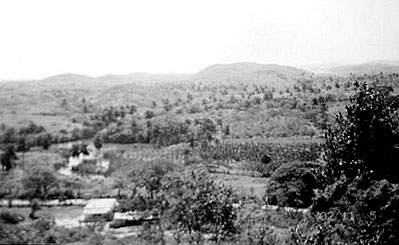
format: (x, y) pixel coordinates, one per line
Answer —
(99, 209)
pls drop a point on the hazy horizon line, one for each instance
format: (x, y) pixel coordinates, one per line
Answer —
(303, 66)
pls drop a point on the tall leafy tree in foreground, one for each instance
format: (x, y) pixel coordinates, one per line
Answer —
(360, 200)
(366, 138)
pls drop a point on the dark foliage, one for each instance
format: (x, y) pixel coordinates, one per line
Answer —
(43, 231)
(86, 167)
(198, 205)
(10, 218)
(265, 158)
(359, 203)
(359, 212)
(293, 184)
(366, 138)
(98, 141)
(8, 157)
(78, 149)
(39, 182)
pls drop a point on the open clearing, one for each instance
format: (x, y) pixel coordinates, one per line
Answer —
(245, 185)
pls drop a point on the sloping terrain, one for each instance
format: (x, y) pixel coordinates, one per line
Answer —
(222, 88)
(276, 76)
(374, 67)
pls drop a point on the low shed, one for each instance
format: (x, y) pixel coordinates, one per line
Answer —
(99, 209)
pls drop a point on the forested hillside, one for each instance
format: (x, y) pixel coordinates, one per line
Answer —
(239, 153)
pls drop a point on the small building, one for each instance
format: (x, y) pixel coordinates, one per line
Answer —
(133, 218)
(99, 209)
(126, 219)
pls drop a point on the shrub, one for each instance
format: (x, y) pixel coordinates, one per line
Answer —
(149, 114)
(86, 167)
(10, 218)
(359, 212)
(136, 203)
(39, 182)
(42, 231)
(193, 109)
(199, 205)
(292, 184)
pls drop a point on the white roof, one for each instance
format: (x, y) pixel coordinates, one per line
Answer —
(99, 206)
(127, 216)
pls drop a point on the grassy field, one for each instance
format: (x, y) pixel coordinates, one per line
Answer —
(52, 123)
(244, 185)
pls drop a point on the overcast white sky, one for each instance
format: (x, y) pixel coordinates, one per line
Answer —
(41, 38)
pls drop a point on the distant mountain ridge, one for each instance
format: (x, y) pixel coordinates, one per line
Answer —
(235, 70)
(241, 72)
(373, 67)
(220, 72)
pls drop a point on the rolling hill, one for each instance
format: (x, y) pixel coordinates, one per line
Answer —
(277, 76)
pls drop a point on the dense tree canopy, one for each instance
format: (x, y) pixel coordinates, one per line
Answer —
(359, 203)
(366, 138)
